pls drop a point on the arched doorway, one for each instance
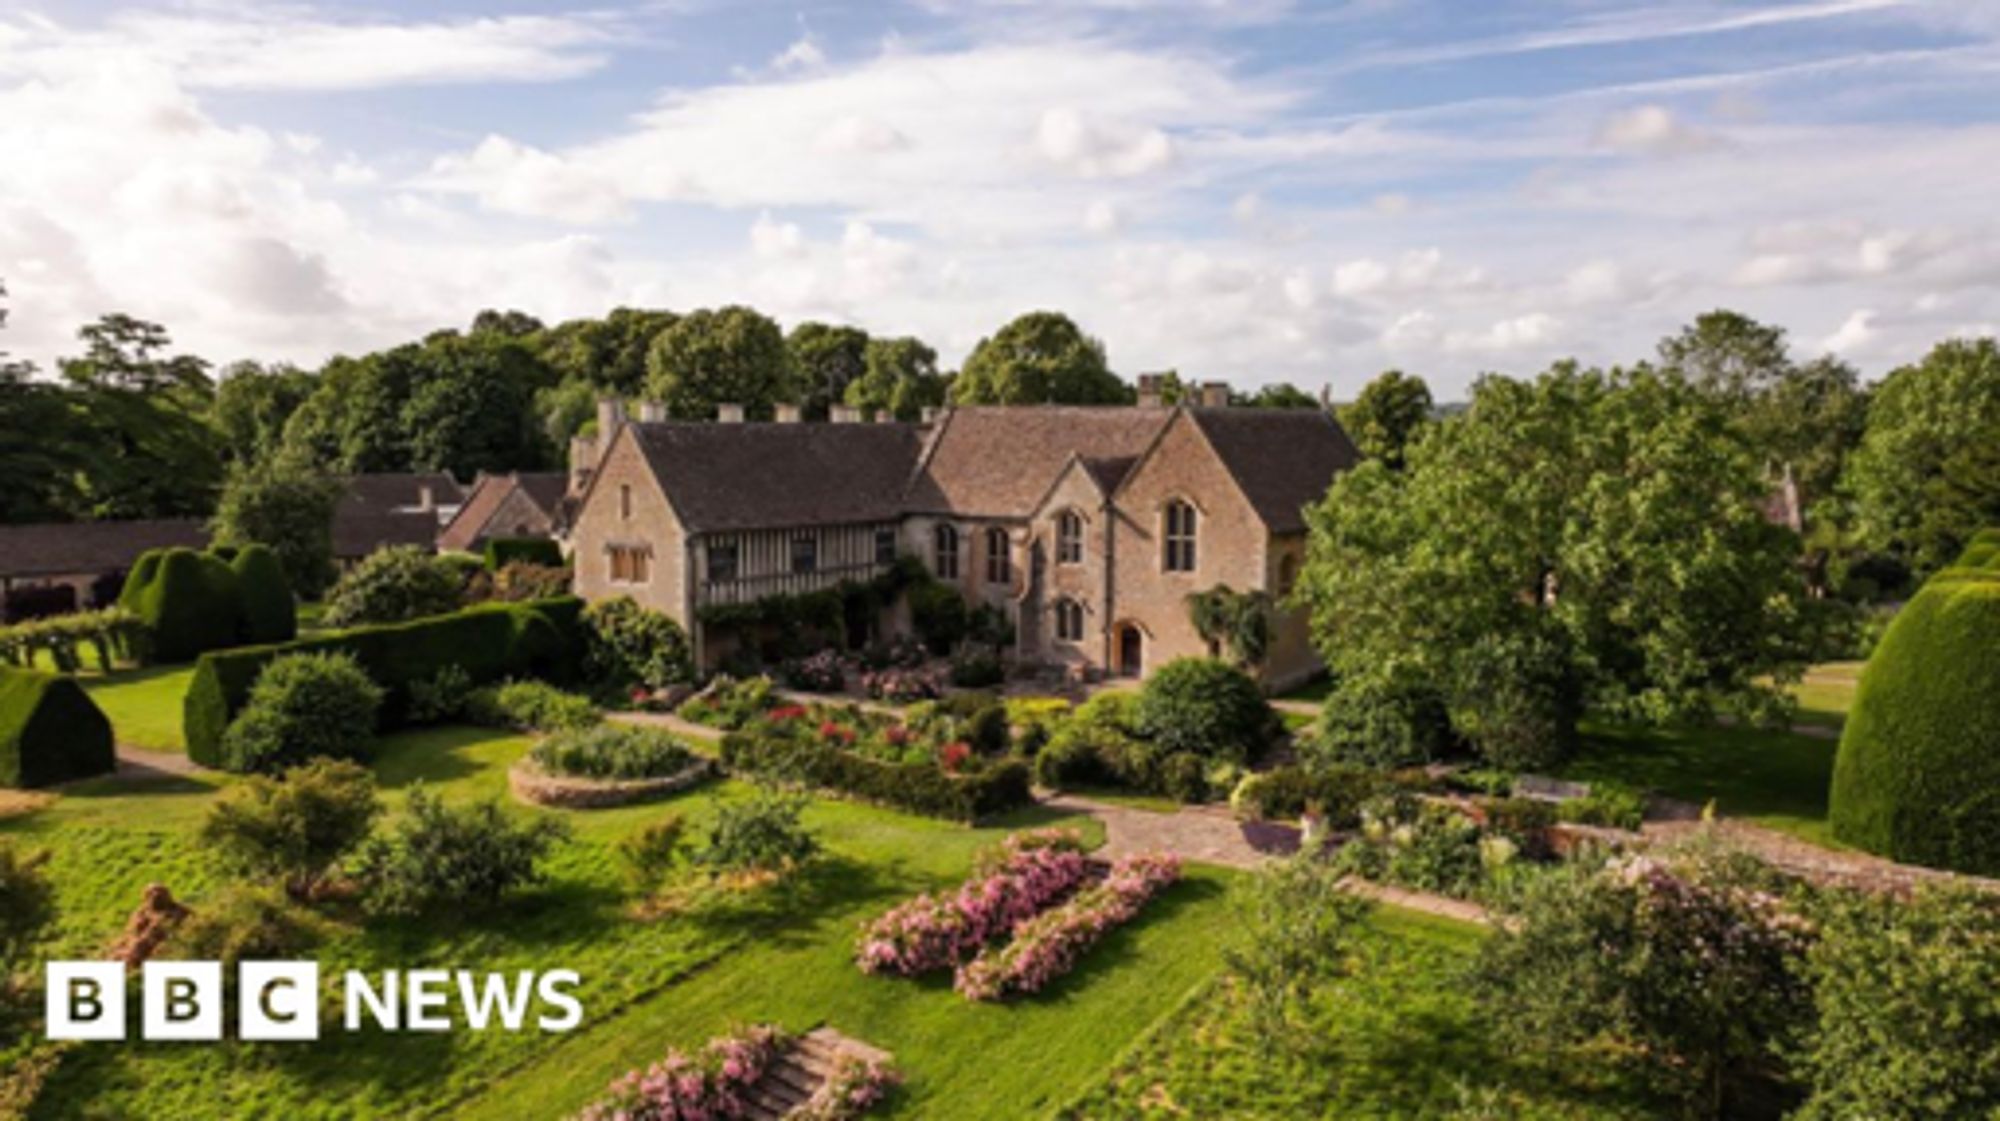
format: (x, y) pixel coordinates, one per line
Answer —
(1131, 650)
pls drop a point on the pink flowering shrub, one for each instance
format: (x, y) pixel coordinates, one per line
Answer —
(707, 1086)
(851, 1088)
(1048, 945)
(903, 685)
(1029, 872)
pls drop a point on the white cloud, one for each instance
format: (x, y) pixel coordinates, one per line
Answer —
(1103, 217)
(1651, 130)
(1854, 333)
(803, 54)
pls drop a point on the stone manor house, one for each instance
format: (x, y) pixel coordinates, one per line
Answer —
(1089, 526)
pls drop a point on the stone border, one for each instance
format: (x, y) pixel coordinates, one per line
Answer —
(530, 784)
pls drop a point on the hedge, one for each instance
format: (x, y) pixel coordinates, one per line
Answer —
(920, 788)
(490, 642)
(503, 551)
(1917, 777)
(270, 614)
(190, 604)
(50, 730)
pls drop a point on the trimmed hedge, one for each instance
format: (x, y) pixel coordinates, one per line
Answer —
(270, 614)
(190, 605)
(490, 642)
(1917, 777)
(503, 551)
(919, 788)
(50, 730)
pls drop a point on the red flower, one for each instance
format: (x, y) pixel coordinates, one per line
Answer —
(954, 755)
(786, 712)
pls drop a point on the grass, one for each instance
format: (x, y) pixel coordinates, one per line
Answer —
(1826, 693)
(781, 955)
(1774, 778)
(143, 705)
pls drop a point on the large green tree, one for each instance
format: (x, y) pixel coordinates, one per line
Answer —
(731, 355)
(1387, 415)
(252, 405)
(828, 358)
(1283, 395)
(1915, 476)
(1583, 540)
(899, 376)
(147, 450)
(38, 448)
(609, 353)
(284, 503)
(1039, 358)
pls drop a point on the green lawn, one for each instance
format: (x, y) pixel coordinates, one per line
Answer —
(646, 985)
(1778, 779)
(1312, 692)
(143, 705)
(1827, 693)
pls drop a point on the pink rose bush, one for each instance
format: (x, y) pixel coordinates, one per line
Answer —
(1029, 872)
(708, 1086)
(851, 1088)
(1048, 945)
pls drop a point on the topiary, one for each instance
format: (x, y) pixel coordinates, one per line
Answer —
(50, 730)
(1208, 707)
(1919, 759)
(303, 706)
(270, 613)
(190, 605)
(392, 585)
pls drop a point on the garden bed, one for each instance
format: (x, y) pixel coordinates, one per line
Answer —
(535, 786)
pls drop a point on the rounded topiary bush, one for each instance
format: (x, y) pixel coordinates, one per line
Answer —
(190, 605)
(303, 706)
(270, 614)
(1917, 778)
(1205, 706)
(393, 585)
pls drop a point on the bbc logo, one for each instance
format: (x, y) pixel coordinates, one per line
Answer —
(182, 1000)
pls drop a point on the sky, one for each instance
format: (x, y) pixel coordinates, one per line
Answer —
(1257, 191)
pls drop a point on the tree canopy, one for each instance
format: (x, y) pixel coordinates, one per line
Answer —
(828, 358)
(1386, 415)
(731, 355)
(1039, 358)
(901, 377)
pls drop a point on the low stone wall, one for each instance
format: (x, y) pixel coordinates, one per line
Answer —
(537, 787)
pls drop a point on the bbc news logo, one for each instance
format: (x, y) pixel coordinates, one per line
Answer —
(280, 1000)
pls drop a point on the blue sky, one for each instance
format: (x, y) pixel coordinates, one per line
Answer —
(1260, 191)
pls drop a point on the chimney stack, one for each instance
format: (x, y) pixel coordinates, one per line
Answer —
(844, 414)
(931, 414)
(1215, 395)
(610, 417)
(789, 414)
(1149, 390)
(729, 414)
(652, 412)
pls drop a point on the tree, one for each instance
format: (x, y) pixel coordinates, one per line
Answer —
(511, 323)
(296, 829)
(1588, 537)
(733, 355)
(608, 354)
(1728, 354)
(40, 445)
(1386, 416)
(1041, 357)
(828, 359)
(146, 448)
(287, 505)
(471, 406)
(1283, 395)
(899, 376)
(124, 352)
(252, 405)
(1919, 418)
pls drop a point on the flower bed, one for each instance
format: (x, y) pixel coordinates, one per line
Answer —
(791, 743)
(729, 704)
(851, 1089)
(612, 752)
(531, 784)
(1048, 946)
(1030, 872)
(710, 1084)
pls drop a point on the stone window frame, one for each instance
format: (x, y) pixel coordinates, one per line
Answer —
(1069, 537)
(1067, 611)
(999, 561)
(944, 551)
(629, 564)
(1180, 548)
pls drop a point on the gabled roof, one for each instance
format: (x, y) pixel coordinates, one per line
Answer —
(721, 477)
(545, 489)
(998, 461)
(50, 549)
(359, 532)
(1282, 459)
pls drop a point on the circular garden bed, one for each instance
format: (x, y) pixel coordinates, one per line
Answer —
(530, 783)
(607, 765)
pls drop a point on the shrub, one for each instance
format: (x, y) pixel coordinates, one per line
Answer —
(714, 1082)
(975, 719)
(1610, 804)
(27, 906)
(1205, 706)
(1295, 932)
(820, 673)
(540, 551)
(626, 644)
(729, 704)
(1336, 792)
(1183, 777)
(50, 731)
(1917, 777)
(612, 751)
(489, 642)
(531, 706)
(939, 615)
(1679, 963)
(441, 696)
(652, 853)
(1049, 945)
(516, 583)
(1029, 873)
(977, 671)
(1908, 999)
(189, 602)
(762, 833)
(901, 686)
(1380, 724)
(245, 924)
(303, 706)
(443, 860)
(920, 788)
(297, 829)
(270, 613)
(1035, 719)
(393, 585)
(1417, 845)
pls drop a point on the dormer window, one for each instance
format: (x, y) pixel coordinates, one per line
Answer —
(1069, 538)
(1178, 543)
